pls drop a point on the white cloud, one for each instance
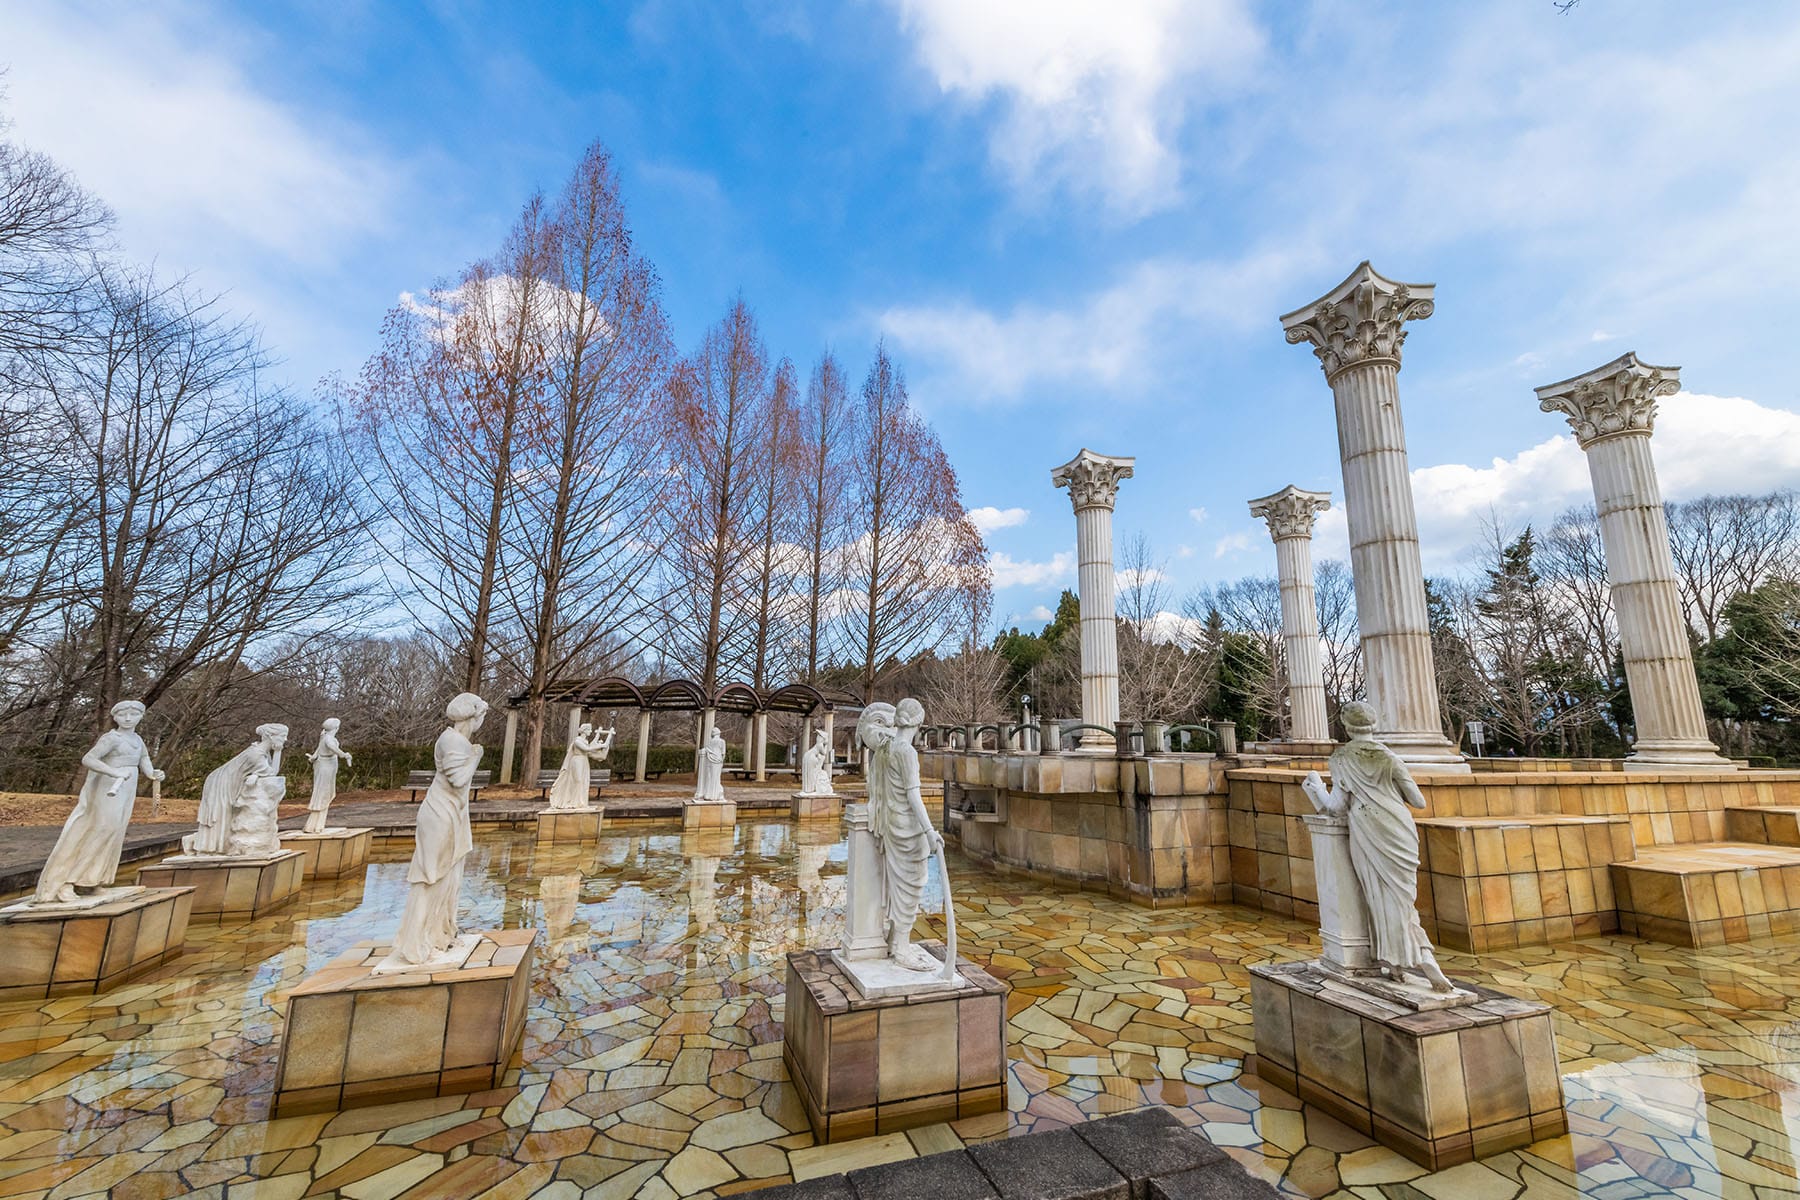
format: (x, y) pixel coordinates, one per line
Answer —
(1111, 337)
(1040, 613)
(1231, 543)
(1088, 95)
(1011, 573)
(1132, 578)
(1184, 551)
(988, 518)
(1199, 515)
(155, 118)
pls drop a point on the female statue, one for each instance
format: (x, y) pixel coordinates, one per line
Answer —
(86, 855)
(709, 768)
(815, 767)
(237, 816)
(1372, 788)
(571, 788)
(442, 841)
(904, 837)
(324, 761)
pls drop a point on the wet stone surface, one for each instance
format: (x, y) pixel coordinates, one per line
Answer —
(652, 1056)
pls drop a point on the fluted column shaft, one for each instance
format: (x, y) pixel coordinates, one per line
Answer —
(1099, 622)
(1300, 633)
(1653, 635)
(1385, 562)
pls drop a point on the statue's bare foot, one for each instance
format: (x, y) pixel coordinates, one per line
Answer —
(1439, 981)
(912, 957)
(66, 894)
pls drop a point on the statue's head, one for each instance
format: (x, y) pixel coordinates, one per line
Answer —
(467, 707)
(274, 735)
(909, 714)
(332, 724)
(585, 728)
(127, 713)
(1359, 719)
(876, 726)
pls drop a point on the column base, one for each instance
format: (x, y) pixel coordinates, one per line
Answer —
(245, 886)
(79, 950)
(1678, 756)
(1425, 753)
(354, 1038)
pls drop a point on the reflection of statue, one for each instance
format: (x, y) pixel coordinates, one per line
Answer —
(324, 761)
(559, 895)
(904, 837)
(572, 782)
(709, 767)
(87, 852)
(442, 840)
(239, 799)
(1371, 790)
(815, 767)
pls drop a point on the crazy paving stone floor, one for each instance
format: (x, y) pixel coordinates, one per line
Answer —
(652, 1058)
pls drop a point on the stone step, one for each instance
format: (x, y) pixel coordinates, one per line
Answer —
(1770, 825)
(1709, 893)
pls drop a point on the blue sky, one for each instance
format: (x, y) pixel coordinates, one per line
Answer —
(1075, 224)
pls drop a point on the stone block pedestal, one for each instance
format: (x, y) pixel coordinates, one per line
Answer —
(708, 814)
(816, 808)
(866, 1066)
(70, 951)
(245, 887)
(571, 825)
(1442, 1087)
(330, 854)
(354, 1038)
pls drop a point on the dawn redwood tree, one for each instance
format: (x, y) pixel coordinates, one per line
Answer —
(824, 426)
(585, 467)
(916, 554)
(434, 423)
(778, 468)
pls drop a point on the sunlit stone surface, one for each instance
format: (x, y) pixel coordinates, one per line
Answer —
(652, 1051)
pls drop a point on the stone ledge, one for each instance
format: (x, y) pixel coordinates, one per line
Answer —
(1142, 1155)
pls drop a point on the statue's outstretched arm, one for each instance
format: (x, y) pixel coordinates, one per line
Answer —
(1409, 791)
(1326, 801)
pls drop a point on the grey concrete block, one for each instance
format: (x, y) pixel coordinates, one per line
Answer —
(1049, 1166)
(1147, 1143)
(825, 1187)
(952, 1176)
(1221, 1181)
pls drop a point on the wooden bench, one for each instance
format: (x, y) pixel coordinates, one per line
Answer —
(748, 773)
(547, 780)
(418, 781)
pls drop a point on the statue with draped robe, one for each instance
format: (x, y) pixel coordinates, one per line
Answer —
(428, 929)
(904, 837)
(570, 792)
(324, 762)
(815, 767)
(238, 801)
(86, 855)
(709, 768)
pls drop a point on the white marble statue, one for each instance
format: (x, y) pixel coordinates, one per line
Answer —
(86, 855)
(1371, 789)
(428, 932)
(904, 837)
(570, 791)
(238, 801)
(815, 767)
(709, 768)
(325, 765)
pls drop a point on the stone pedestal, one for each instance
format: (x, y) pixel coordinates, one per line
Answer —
(354, 1038)
(708, 814)
(78, 950)
(243, 886)
(1441, 1087)
(866, 1066)
(1356, 330)
(816, 808)
(570, 825)
(1612, 410)
(329, 854)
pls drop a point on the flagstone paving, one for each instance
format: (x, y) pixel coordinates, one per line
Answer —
(652, 1057)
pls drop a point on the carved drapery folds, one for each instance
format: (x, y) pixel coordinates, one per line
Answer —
(1092, 479)
(1290, 512)
(1361, 320)
(1619, 398)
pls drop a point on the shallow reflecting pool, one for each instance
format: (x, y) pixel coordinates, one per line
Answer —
(652, 1057)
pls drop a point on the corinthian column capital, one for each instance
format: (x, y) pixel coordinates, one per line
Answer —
(1611, 401)
(1290, 511)
(1093, 479)
(1361, 320)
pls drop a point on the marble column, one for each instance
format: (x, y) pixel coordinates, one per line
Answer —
(1612, 410)
(1290, 514)
(574, 724)
(1356, 330)
(643, 743)
(1093, 483)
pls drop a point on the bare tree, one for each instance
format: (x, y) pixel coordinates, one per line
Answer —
(1725, 546)
(1158, 678)
(916, 554)
(1340, 644)
(774, 558)
(50, 230)
(824, 424)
